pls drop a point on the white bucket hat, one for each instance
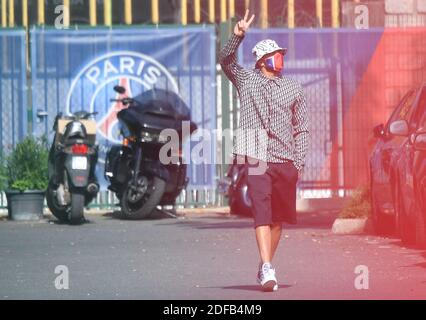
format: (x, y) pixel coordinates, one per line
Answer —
(265, 47)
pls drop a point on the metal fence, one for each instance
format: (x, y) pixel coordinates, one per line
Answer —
(271, 13)
(77, 69)
(13, 88)
(352, 80)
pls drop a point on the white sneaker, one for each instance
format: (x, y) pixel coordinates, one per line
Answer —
(266, 278)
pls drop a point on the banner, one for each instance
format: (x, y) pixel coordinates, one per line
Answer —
(76, 70)
(13, 88)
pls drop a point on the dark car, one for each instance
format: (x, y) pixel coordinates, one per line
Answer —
(410, 179)
(383, 163)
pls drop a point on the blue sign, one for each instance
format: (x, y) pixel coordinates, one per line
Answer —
(13, 88)
(76, 70)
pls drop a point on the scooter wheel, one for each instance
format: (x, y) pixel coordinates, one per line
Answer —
(76, 214)
(58, 211)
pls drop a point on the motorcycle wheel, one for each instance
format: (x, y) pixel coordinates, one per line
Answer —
(76, 214)
(60, 212)
(140, 205)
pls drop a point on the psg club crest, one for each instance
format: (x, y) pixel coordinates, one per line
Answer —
(92, 89)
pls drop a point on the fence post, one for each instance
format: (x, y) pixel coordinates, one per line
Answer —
(225, 31)
(335, 13)
(11, 13)
(197, 11)
(40, 12)
(92, 12)
(231, 8)
(223, 11)
(291, 20)
(264, 14)
(107, 13)
(67, 9)
(155, 15)
(319, 12)
(226, 111)
(211, 11)
(4, 13)
(128, 12)
(184, 12)
(25, 13)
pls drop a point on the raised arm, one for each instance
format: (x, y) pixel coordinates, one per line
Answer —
(301, 130)
(228, 55)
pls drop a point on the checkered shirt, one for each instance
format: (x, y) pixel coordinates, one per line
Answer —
(273, 124)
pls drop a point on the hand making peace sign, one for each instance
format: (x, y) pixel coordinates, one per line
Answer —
(243, 25)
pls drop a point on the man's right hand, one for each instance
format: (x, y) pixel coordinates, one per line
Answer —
(243, 25)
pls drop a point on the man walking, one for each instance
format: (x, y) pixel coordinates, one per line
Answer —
(273, 133)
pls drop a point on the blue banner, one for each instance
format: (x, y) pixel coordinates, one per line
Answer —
(13, 88)
(77, 69)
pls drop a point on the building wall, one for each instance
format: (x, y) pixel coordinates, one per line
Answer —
(405, 13)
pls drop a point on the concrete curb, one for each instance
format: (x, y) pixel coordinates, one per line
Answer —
(350, 226)
(326, 204)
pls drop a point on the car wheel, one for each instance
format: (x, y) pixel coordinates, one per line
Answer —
(383, 224)
(403, 226)
(420, 224)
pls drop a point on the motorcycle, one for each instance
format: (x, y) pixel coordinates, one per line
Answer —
(72, 162)
(134, 169)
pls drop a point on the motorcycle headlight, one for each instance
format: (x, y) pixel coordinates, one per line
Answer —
(149, 137)
(154, 137)
(163, 138)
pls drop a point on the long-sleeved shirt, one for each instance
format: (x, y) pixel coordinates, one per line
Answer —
(274, 123)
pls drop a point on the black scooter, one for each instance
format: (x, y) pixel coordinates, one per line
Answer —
(136, 173)
(72, 163)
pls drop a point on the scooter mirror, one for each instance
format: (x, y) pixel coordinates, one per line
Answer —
(119, 89)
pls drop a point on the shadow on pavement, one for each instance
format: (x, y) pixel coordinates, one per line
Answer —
(248, 287)
(306, 220)
(420, 251)
(156, 215)
(253, 287)
(399, 243)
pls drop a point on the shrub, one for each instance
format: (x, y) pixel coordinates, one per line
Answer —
(26, 166)
(3, 172)
(359, 206)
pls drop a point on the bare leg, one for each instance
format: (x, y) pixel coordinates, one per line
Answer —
(263, 237)
(276, 230)
(262, 234)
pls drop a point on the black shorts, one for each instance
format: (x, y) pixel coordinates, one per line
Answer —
(273, 193)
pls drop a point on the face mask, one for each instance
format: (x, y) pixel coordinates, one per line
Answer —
(275, 63)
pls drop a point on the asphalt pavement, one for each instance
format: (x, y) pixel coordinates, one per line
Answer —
(203, 255)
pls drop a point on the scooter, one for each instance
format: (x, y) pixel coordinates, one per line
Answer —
(72, 162)
(134, 169)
